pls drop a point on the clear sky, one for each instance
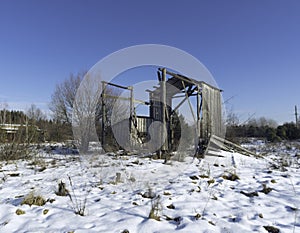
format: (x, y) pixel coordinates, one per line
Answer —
(252, 48)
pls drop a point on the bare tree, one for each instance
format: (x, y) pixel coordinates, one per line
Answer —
(3, 108)
(85, 106)
(262, 122)
(63, 98)
(78, 101)
(88, 113)
(232, 119)
(35, 114)
(61, 106)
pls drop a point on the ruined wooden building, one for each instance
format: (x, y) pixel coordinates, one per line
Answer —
(136, 131)
(21, 132)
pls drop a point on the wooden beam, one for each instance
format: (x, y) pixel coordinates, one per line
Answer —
(234, 146)
(182, 78)
(181, 96)
(126, 98)
(116, 85)
(178, 106)
(189, 80)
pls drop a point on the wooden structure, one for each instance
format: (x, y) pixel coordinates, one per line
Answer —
(10, 132)
(135, 131)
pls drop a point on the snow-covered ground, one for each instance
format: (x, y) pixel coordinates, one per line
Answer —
(118, 193)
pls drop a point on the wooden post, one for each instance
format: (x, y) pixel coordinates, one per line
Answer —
(103, 114)
(164, 109)
(130, 88)
(198, 113)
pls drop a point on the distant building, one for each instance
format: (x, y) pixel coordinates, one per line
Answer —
(9, 132)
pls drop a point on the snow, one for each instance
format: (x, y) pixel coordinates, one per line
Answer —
(203, 200)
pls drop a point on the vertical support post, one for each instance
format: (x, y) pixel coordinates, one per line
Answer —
(103, 114)
(130, 88)
(164, 109)
(199, 143)
(151, 105)
(198, 113)
(131, 119)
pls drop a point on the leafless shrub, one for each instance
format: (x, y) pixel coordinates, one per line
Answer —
(79, 206)
(20, 144)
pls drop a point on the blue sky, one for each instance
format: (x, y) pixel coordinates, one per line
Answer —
(252, 48)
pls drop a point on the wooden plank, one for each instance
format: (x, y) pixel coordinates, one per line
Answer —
(214, 155)
(235, 146)
(116, 85)
(125, 98)
(189, 80)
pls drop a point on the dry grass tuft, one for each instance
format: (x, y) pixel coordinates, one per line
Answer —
(231, 176)
(31, 199)
(156, 208)
(20, 212)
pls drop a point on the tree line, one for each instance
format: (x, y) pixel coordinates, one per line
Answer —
(263, 128)
(38, 127)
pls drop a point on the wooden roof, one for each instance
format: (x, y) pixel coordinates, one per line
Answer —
(178, 83)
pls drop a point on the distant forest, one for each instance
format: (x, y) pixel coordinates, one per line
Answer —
(287, 131)
(49, 130)
(56, 131)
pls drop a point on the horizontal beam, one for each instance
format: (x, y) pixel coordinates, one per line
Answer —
(189, 80)
(182, 78)
(181, 96)
(125, 98)
(116, 85)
